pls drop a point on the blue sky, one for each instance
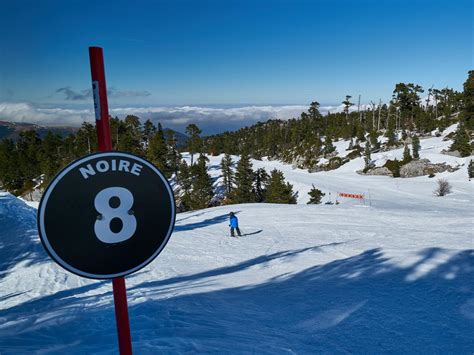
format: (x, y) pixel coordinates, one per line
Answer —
(161, 53)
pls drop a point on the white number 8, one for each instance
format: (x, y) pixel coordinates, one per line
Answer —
(102, 205)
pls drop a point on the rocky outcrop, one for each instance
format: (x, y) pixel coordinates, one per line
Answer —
(423, 167)
(454, 153)
(414, 168)
(380, 171)
(33, 195)
(298, 162)
(316, 169)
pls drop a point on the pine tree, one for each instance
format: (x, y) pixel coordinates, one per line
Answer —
(468, 101)
(173, 156)
(279, 191)
(347, 105)
(315, 196)
(360, 133)
(328, 146)
(149, 131)
(415, 144)
(470, 169)
(392, 138)
(260, 180)
(407, 98)
(461, 142)
(195, 142)
(367, 157)
(202, 192)
(85, 141)
(186, 184)
(158, 150)
(374, 142)
(29, 147)
(227, 174)
(11, 177)
(406, 155)
(131, 138)
(243, 180)
(50, 159)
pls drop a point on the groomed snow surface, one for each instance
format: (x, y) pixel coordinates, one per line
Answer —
(393, 274)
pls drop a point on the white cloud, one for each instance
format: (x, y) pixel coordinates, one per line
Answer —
(184, 114)
(29, 113)
(210, 119)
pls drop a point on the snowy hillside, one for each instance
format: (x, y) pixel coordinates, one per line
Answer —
(393, 274)
(380, 191)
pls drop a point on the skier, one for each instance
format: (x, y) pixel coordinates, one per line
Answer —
(234, 224)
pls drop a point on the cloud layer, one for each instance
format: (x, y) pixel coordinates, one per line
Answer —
(20, 112)
(210, 119)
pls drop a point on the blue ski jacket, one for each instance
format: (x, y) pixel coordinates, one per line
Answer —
(234, 222)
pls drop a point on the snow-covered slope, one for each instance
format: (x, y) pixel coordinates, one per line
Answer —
(379, 191)
(393, 274)
(305, 279)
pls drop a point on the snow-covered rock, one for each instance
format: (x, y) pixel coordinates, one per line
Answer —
(423, 167)
(415, 168)
(379, 171)
(454, 153)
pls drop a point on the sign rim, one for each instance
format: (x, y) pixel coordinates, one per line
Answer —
(44, 199)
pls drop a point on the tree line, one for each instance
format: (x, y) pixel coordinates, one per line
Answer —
(32, 161)
(304, 141)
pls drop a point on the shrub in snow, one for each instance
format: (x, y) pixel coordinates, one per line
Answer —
(444, 188)
(315, 196)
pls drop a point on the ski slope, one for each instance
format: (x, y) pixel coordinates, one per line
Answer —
(390, 275)
(379, 191)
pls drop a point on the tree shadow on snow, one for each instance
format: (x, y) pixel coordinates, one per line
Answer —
(226, 270)
(19, 239)
(204, 223)
(358, 304)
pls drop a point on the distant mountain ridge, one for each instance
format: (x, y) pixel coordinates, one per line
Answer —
(12, 130)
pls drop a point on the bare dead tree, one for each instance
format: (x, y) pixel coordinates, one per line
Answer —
(373, 114)
(436, 97)
(358, 110)
(388, 117)
(380, 111)
(430, 92)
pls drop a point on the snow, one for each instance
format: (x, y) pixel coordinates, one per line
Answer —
(380, 191)
(392, 274)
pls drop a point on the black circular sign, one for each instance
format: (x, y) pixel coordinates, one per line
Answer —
(106, 215)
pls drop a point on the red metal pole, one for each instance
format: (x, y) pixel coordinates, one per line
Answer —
(121, 316)
(99, 89)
